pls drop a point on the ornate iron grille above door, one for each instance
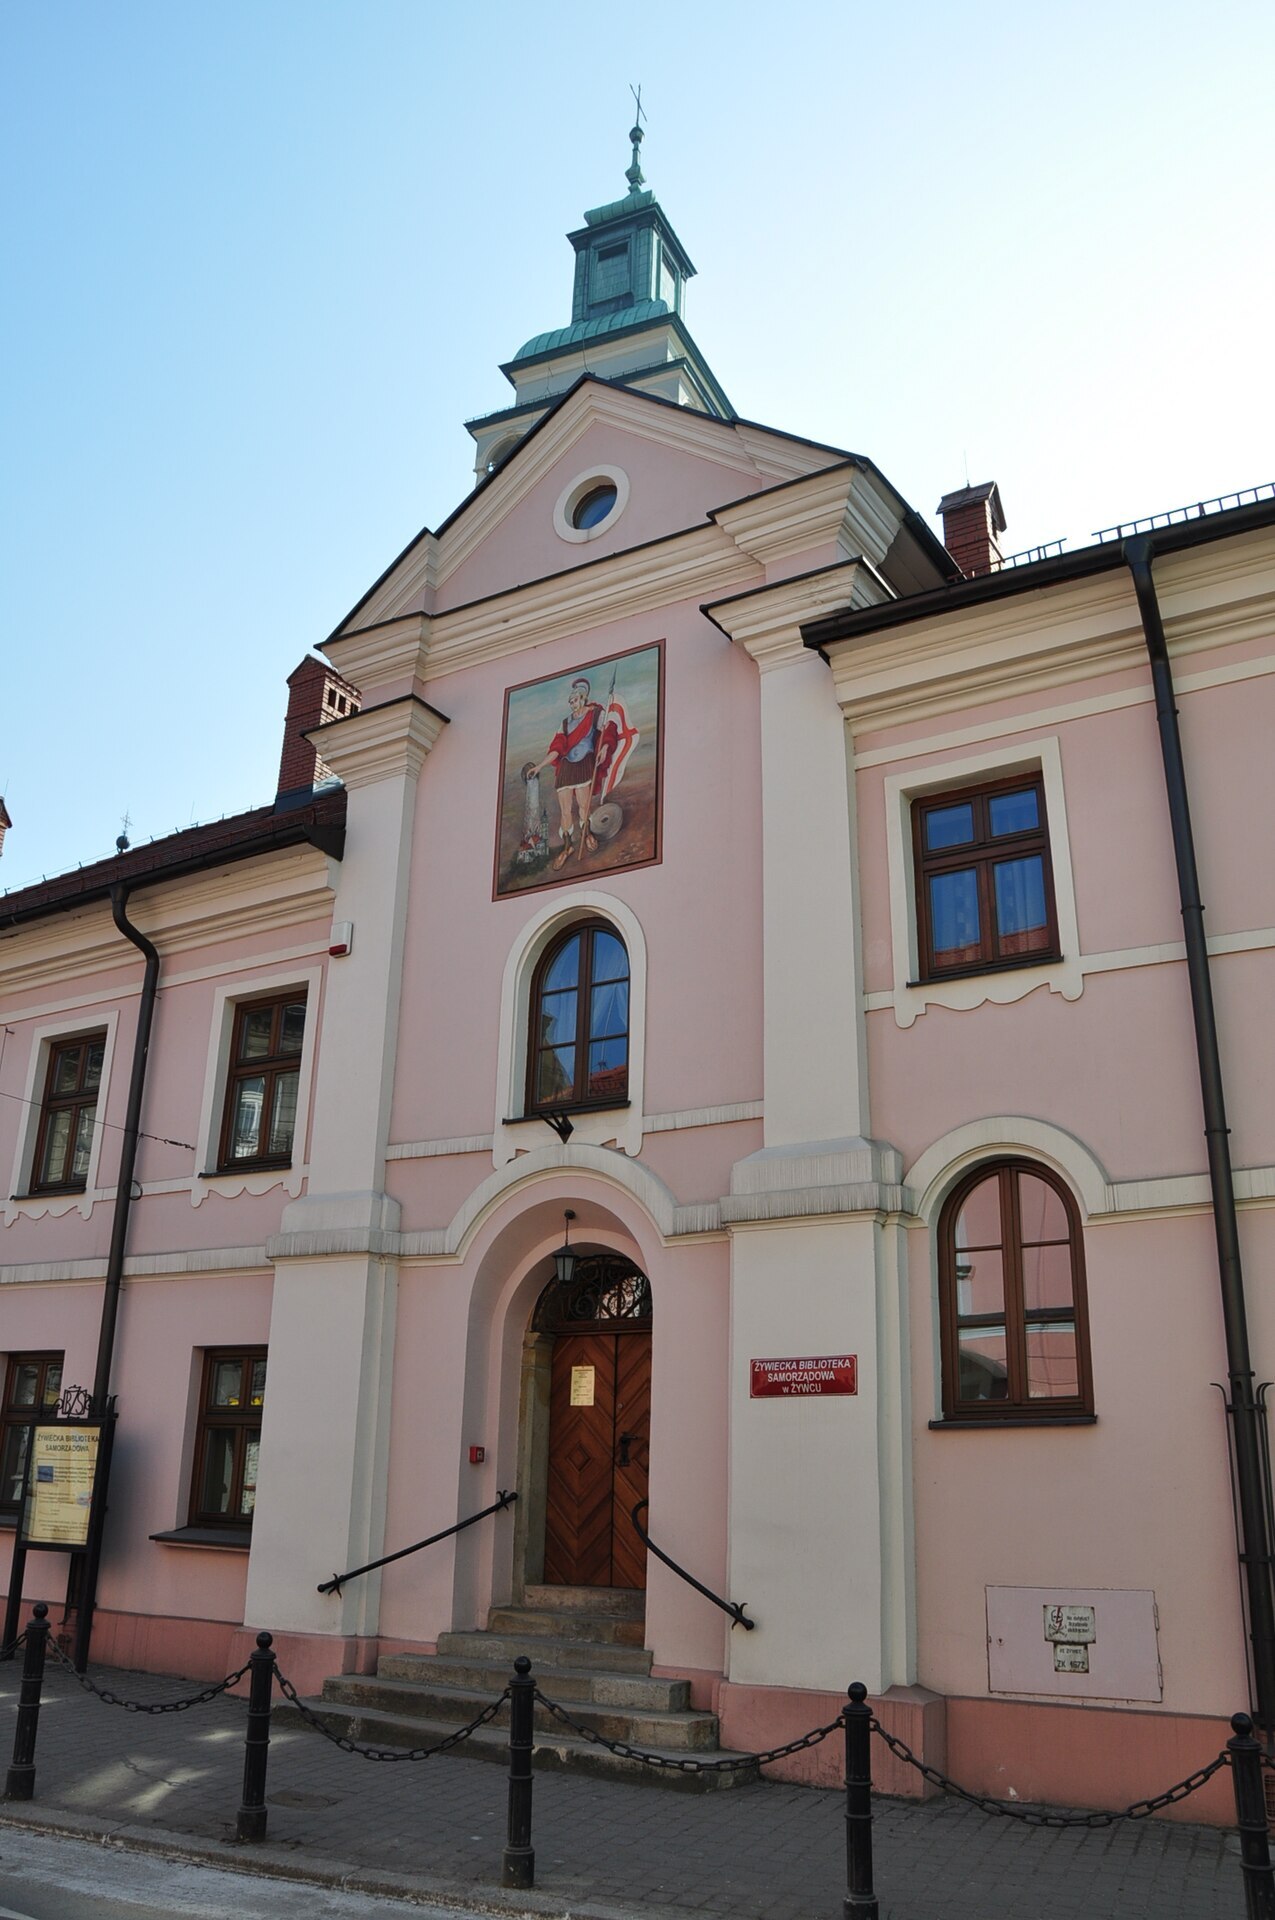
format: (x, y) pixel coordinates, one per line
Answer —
(606, 1292)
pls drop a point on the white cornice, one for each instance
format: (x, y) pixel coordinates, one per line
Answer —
(375, 657)
(1056, 635)
(413, 577)
(837, 505)
(767, 622)
(640, 581)
(275, 890)
(780, 457)
(382, 743)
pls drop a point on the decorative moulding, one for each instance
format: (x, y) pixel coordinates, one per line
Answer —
(766, 621)
(382, 743)
(838, 504)
(574, 492)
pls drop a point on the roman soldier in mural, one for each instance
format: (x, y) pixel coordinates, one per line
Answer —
(580, 753)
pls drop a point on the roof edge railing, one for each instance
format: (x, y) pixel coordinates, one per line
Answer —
(338, 1580)
(738, 1618)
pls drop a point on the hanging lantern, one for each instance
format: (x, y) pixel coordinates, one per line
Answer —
(564, 1260)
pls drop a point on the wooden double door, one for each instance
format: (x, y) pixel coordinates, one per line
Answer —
(599, 1447)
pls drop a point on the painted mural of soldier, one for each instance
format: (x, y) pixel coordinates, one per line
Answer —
(587, 756)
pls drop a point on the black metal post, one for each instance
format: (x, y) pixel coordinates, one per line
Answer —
(251, 1822)
(20, 1782)
(860, 1902)
(518, 1867)
(1250, 1818)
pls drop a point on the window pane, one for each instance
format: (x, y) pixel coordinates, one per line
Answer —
(219, 1471)
(954, 917)
(609, 1068)
(555, 1078)
(52, 1386)
(980, 1282)
(258, 1382)
(12, 1462)
(610, 961)
(56, 1142)
(565, 969)
(254, 1034)
(1021, 918)
(982, 1360)
(66, 1071)
(93, 1065)
(949, 827)
(609, 1012)
(284, 1118)
(978, 1224)
(1052, 1371)
(226, 1385)
(1041, 1210)
(1047, 1278)
(1014, 812)
(292, 1027)
(245, 1126)
(252, 1447)
(27, 1384)
(83, 1143)
(558, 1015)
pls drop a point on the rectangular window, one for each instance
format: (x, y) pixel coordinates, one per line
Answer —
(64, 1141)
(261, 1085)
(985, 890)
(232, 1393)
(32, 1385)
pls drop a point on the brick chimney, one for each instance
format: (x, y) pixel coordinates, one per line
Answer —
(972, 518)
(317, 694)
(5, 822)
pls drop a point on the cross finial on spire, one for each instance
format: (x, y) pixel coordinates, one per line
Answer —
(633, 173)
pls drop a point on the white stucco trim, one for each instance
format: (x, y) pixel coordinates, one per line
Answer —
(574, 492)
(20, 1203)
(911, 995)
(645, 1187)
(512, 1132)
(226, 998)
(934, 1172)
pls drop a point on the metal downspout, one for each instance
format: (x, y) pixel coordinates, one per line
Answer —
(128, 1156)
(1255, 1548)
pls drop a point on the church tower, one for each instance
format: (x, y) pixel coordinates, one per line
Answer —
(626, 324)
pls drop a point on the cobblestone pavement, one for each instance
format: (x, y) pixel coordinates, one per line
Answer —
(769, 1851)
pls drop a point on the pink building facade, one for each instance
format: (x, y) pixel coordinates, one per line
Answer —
(714, 862)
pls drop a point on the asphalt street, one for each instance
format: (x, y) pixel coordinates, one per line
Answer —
(44, 1877)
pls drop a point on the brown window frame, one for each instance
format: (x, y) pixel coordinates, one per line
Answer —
(80, 1100)
(237, 1420)
(13, 1416)
(272, 1066)
(577, 1099)
(1017, 1407)
(982, 853)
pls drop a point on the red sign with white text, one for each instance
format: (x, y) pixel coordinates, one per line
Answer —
(804, 1378)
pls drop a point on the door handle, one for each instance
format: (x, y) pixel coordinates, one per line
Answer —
(626, 1441)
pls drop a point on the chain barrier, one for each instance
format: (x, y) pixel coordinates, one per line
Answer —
(143, 1706)
(674, 1763)
(14, 1646)
(1138, 1810)
(344, 1742)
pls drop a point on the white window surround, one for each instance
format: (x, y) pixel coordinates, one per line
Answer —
(572, 494)
(912, 995)
(226, 998)
(515, 1131)
(21, 1202)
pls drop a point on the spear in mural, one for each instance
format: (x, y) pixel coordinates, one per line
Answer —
(584, 824)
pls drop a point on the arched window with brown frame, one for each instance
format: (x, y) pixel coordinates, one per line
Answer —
(578, 1030)
(1015, 1336)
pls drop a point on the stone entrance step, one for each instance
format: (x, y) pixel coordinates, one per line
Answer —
(585, 1646)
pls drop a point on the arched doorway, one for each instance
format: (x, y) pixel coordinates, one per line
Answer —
(597, 1469)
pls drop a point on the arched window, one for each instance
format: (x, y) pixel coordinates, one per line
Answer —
(578, 1033)
(1012, 1298)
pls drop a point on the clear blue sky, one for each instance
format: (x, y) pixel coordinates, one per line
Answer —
(264, 257)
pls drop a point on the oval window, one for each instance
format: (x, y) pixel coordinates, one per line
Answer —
(593, 506)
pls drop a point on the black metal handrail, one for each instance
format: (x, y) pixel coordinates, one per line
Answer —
(738, 1618)
(338, 1580)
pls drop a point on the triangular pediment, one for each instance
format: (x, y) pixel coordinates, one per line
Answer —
(678, 466)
